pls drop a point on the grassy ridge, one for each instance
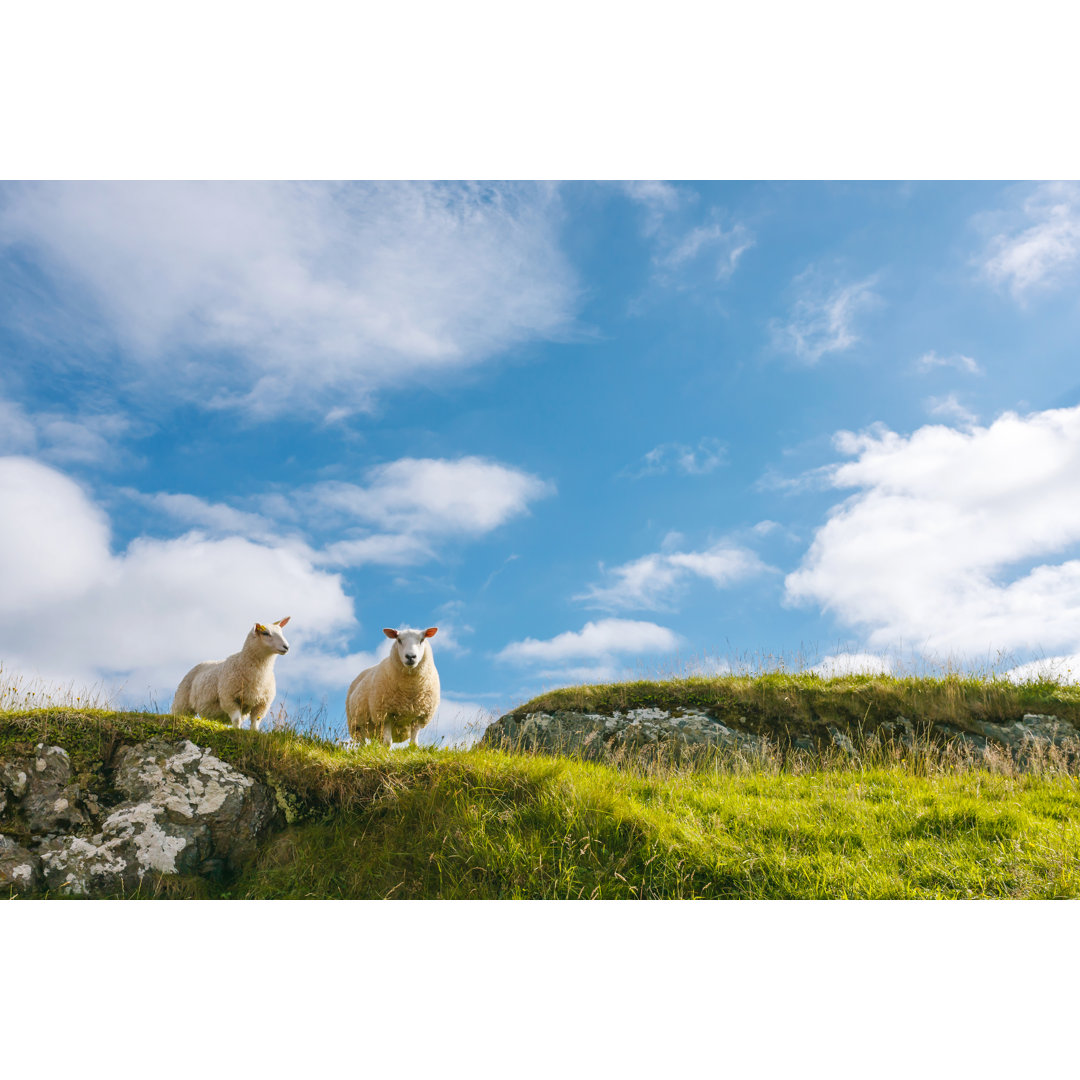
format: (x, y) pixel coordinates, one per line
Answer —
(425, 823)
(804, 698)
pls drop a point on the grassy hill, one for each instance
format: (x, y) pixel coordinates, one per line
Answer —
(900, 822)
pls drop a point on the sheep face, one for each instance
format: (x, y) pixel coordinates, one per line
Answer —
(410, 645)
(270, 637)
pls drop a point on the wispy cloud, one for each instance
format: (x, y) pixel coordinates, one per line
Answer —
(709, 454)
(930, 360)
(1039, 248)
(466, 496)
(823, 317)
(655, 581)
(67, 439)
(711, 243)
(401, 513)
(685, 255)
(658, 198)
(316, 295)
(598, 647)
(949, 407)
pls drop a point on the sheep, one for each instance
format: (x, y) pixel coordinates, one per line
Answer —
(239, 687)
(394, 699)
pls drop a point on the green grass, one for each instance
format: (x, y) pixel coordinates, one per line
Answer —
(804, 699)
(423, 823)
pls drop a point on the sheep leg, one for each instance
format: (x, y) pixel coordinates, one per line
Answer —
(387, 734)
(255, 722)
(413, 731)
(235, 716)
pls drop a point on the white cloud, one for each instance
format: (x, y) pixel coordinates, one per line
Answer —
(417, 504)
(1042, 249)
(832, 667)
(708, 455)
(380, 549)
(945, 546)
(654, 581)
(457, 723)
(657, 197)
(601, 641)
(217, 517)
(467, 496)
(720, 247)
(316, 295)
(714, 246)
(930, 360)
(950, 408)
(823, 319)
(1060, 669)
(82, 439)
(71, 608)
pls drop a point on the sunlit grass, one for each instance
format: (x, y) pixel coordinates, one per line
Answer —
(22, 692)
(892, 821)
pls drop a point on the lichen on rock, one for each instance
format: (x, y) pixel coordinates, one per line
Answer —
(186, 812)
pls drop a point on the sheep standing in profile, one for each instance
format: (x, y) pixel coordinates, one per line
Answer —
(394, 699)
(239, 687)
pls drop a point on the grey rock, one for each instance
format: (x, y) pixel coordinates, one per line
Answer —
(187, 812)
(594, 735)
(41, 790)
(20, 869)
(591, 735)
(841, 740)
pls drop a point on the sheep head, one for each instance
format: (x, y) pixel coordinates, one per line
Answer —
(270, 637)
(410, 645)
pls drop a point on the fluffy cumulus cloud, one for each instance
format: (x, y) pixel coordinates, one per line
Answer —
(1039, 248)
(655, 581)
(823, 318)
(956, 543)
(597, 651)
(73, 608)
(281, 296)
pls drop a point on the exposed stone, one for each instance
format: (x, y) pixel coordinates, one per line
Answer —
(591, 735)
(595, 735)
(41, 787)
(187, 812)
(20, 870)
(841, 740)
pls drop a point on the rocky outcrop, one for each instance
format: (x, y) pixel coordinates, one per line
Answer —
(178, 809)
(595, 735)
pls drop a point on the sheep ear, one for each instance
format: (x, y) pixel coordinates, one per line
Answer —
(431, 631)
(282, 622)
(389, 633)
(260, 629)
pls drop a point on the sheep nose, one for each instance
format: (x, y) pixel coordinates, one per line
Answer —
(285, 649)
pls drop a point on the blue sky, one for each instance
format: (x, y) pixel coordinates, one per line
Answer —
(590, 430)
